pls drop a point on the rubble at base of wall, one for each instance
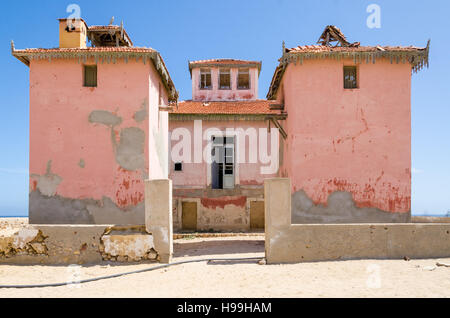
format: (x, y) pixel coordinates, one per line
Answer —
(24, 241)
(124, 244)
(76, 244)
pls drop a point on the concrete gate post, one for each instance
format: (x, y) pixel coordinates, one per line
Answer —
(158, 216)
(277, 196)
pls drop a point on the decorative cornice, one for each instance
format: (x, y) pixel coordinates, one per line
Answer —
(418, 58)
(102, 56)
(226, 117)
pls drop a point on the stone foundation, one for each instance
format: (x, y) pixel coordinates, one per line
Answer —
(76, 244)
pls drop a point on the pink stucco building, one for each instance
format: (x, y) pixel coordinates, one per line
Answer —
(348, 146)
(98, 125)
(337, 122)
(227, 193)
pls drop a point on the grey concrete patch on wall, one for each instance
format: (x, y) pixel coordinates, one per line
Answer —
(104, 117)
(81, 163)
(340, 208)
(108, 212)
(130, 150)
(60, 210)
(141, 115)
(48, 182)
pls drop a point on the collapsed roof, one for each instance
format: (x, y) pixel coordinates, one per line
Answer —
(110, 43)
(333, 44)
(108, 35)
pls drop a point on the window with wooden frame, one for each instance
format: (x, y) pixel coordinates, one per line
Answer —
(350, 77)
(90, 75)
(243, 79)
(205, 79)
(224, 78)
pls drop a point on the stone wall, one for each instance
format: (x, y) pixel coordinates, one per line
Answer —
(289, 243)
(76, 244)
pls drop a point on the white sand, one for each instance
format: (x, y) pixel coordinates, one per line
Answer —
(356, 278)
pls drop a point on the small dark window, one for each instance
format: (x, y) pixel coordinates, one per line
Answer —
(243, 81)
(224, 79)
(350, 80)
(205, 79)
(178, 166)
(90, 75)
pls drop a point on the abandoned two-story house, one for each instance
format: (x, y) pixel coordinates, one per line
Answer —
(98, 125)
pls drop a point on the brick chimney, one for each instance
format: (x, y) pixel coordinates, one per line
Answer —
(72, 33)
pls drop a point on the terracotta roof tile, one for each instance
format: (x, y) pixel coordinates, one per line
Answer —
(254, 107)
(90, 49)
(223, 61)
(324, 48)
(101, 27)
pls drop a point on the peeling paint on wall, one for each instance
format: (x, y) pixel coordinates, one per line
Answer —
(60, 210)
(214, 203)
(108, 212)
(340, 208)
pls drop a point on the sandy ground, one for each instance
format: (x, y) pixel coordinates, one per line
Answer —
(354, 278)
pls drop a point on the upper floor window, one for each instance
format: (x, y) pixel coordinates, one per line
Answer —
(243, 81)
(90, 75)
(205, 79)
(224, 79)
(350, 79)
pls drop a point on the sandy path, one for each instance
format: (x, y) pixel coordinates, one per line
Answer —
(357, 278)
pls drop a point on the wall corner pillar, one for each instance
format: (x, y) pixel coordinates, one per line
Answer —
(158, 216)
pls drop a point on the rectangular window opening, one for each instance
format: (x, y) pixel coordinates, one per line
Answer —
(178, 166)
(90, 75)
(205, 79)
(243, 81)
(224, 79)
(350, 77)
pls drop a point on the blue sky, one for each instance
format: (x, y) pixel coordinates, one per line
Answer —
(244, 29)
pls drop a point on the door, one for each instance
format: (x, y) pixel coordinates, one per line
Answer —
(223, 163)
(228, 166)
(257, 214)
(189, 216)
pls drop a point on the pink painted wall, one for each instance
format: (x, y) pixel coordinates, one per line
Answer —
(216, 94)
(355, 140)
(60, 129)
(196, 174)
